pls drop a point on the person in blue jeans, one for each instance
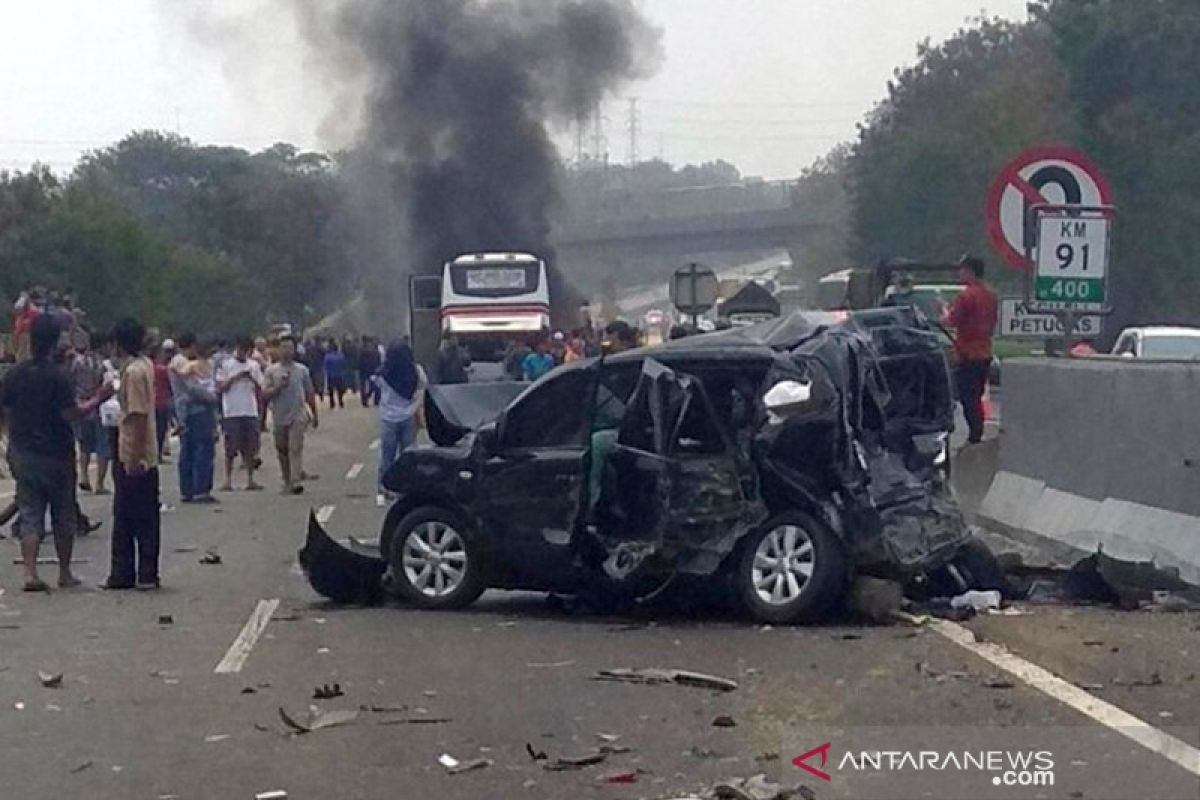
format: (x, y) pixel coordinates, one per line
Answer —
(401, 383)
(199, 429)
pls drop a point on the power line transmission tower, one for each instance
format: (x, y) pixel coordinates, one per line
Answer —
(635, 124)
(599, 143)
(580, 124)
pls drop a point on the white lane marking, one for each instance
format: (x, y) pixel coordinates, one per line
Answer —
(1068, 694)
(325, 513)
(375, 444)
(239, 651)
(354, 471)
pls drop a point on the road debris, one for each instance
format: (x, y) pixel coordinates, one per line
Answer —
(327, 692)
(724, 721)
(758, 788)
(51, 680)
(275, 794)
(1091, 687)
(535, 755)
(166, 619)
(656, 676)
(571, 763)
(216, 737)
(629, 776)
(417, 721)
(210, 557)
(448, 761)
(977, 601)
(466, 766)
(994, 682)
(550, 664)
(80, 767)
(317, 720)
(608, 738)
(1154, 680)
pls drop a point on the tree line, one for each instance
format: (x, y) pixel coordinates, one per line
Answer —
(182, 236)
(1116, 79)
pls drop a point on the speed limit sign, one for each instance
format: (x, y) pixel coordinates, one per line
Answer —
(1071, 261)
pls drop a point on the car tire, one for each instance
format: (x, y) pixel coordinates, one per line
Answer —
(434, 561)
(802, 590)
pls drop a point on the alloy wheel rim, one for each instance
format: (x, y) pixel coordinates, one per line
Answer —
(783, 564)
(435, 559)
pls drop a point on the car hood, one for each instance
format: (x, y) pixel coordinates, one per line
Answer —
(454, 410)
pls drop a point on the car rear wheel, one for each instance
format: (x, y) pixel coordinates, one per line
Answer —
(433, 561)
(792, 569)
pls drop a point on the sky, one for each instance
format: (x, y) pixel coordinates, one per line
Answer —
(769, 85)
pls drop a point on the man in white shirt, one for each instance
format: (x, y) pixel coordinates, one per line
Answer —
(239, 379)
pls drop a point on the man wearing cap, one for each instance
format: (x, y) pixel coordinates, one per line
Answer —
(973, 316)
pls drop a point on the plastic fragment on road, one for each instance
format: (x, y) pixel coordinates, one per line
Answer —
(570, 763)
(448, 761)
(210, 557)
(629, 776)
(724, 721)
(977, 601)
(166, 619)
(274, 794)
(80, 767)
(51, 680)
(317, 720)
(468, 766)
(216, 737)
(656, 676)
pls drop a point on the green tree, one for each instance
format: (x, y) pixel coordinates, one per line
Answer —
(1133, 71)
(920, 169)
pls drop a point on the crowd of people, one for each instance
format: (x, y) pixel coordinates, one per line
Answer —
(82, 410)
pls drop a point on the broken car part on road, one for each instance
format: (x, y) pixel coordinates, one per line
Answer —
(780, 458)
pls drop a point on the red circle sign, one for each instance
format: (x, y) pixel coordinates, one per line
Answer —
(1024, 181)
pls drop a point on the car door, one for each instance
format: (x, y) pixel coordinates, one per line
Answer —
(533, 478)
(675, 479)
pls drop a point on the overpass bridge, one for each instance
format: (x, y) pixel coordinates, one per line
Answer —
(636, 237)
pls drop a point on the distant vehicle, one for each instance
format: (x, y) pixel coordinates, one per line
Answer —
(490, 299)
(1158, 342)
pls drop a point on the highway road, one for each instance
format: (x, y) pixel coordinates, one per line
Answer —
(177, 694)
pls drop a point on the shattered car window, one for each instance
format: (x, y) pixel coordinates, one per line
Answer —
(554, 414)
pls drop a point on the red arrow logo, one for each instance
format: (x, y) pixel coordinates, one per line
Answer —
(824, 751)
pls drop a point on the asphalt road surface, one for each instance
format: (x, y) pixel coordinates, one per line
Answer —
(143, 713)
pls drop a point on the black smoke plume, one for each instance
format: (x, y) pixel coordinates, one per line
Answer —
(456, 101)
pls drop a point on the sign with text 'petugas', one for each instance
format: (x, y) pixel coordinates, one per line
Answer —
(1020, 320)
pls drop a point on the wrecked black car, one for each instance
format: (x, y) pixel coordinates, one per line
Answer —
(779, 459)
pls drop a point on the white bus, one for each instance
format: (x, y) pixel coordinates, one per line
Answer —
(490, 299)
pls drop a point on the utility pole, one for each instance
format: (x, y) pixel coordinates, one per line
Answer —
(580, 123)
(635, 124)
(599, 144)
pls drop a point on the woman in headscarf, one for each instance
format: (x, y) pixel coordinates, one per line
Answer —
(402, 385)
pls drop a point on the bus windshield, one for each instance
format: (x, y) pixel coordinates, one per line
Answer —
(494, 280)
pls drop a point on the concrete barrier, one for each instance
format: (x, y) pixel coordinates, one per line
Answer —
(1101, 454)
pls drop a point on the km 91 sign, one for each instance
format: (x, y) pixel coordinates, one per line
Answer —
(1072, 258)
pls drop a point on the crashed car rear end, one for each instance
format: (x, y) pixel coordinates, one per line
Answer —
(777, 461)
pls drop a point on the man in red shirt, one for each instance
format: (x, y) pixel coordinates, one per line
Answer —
(973, 316)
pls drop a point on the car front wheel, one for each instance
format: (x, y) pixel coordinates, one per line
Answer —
(792, 569)
(433, 561)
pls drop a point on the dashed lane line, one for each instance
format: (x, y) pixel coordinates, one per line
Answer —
(354, 472)
(325, 513)
(1108, 715)
(239, 651)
